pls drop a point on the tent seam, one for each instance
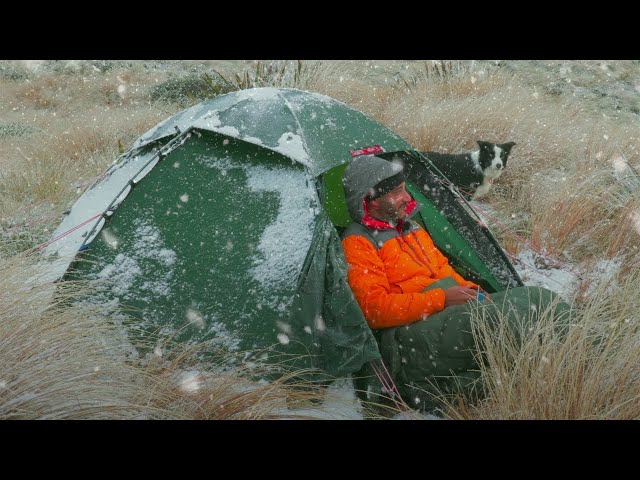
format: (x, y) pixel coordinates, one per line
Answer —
(295, 117)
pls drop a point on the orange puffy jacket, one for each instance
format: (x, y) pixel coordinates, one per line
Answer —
(387, 278)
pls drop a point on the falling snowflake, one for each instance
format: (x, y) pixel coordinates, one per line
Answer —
(195, 317)
(319, 323)
(109, 238)
(189, 382)
(285, 327)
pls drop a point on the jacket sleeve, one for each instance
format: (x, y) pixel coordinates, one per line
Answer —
(368, 281)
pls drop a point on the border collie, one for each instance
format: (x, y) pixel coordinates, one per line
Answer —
(473, 172)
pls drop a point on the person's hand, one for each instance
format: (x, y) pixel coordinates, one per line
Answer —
(459, 295)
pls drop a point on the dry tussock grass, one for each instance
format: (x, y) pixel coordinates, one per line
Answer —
(450, 117)
(447, 79)
(67, 94)
(372, 100)
(559, 183)
(53, 365)
(589, 371)
(174, 390)
(624, 237)
(581, 214)
(63, 362)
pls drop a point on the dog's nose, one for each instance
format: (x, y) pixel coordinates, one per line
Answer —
(499, 166)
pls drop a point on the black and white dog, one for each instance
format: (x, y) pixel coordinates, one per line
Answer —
(473, 172)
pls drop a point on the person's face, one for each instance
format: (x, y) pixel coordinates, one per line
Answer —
(391, 206)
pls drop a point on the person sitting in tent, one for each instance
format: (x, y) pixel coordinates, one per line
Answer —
(414, 301)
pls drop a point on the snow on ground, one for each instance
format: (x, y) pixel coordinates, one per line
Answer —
(535, 268)
(341, 403)
(540, 270)
(562, 281)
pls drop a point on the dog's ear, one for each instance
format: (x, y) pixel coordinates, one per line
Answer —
(485, 145)
(507, 146)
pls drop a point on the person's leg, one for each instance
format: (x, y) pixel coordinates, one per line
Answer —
(439, 355)
(431, 357)
(523, 306)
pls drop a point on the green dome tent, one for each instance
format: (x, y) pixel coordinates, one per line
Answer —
(222, 222)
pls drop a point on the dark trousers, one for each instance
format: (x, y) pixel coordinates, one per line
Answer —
(438, 355)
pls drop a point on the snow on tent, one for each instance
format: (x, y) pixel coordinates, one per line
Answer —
(222, 223)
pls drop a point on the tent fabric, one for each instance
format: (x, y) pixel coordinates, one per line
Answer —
(209, 229)
(208, 245)
(109, 190)
(339, 337)
(310, 128)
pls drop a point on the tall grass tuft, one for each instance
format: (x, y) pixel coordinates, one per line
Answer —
(590, 371)
(277, 73)
(64, 362)
(53, 362)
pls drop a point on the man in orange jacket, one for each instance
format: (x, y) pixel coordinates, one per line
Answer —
(392, 260)
(417, 305)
